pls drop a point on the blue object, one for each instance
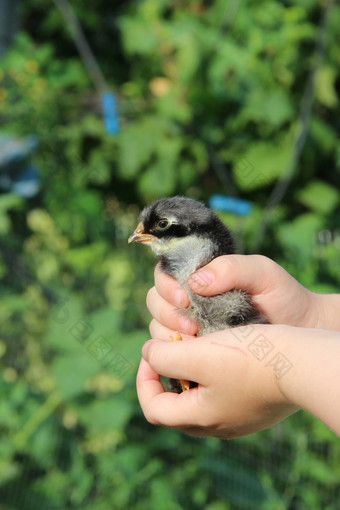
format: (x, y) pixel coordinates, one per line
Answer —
(110, 113)
(15, 148)
(230, 205)
(17, 175)
(28, 183)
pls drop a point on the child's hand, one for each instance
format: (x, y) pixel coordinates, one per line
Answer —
(249, 378)
(274, 291)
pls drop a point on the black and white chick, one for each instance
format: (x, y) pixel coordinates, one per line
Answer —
(187, 235)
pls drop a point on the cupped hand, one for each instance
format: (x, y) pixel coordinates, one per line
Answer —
(274, 291)
(237, 392)
(239, 371)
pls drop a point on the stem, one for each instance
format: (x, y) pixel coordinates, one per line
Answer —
(21, 438)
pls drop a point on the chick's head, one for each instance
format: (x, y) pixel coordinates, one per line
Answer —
(170, 222)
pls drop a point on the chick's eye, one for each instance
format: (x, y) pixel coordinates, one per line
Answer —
(163, 224)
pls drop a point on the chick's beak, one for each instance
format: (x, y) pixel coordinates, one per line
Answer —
(139, 236)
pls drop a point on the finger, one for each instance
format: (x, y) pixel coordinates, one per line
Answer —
(170, 289)
(157, 330)
(193, 359)
(178, 360)
(147, 374)
(167, 314)
(253, 273)
(165, 408)
(205, 359)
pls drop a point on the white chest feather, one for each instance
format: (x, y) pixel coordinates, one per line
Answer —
(186, 255)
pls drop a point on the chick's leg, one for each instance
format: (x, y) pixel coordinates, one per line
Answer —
(185, 385)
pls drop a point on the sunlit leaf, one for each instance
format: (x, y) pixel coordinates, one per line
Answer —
(319, 196)
(71, 372)
(262, 163)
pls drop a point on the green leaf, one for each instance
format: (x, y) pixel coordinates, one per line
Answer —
(43, 443)
(319, 196)
(188, 58)
(129, 345)
(65, 324)
(107, 414)
(157, 181)
(136, 143)
(73, 371)
(105, 322)
(229, 58)
(270, 106)
(218, 505)
(171, 106)
(8, 470)
(233, 474)
(325, 86)
(137, 36)
(298, 237)
(163, 495)
(187, 174)
(83, 257)
(9, 201)
(323, 135)
(160, 179)
(262, 163)
(13, 303)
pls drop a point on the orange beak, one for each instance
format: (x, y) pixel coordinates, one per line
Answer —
(139, 236)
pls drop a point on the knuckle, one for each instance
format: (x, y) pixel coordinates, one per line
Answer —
(210, 421)
(205, 422)
(153, 326)
(151, 419)
(157, 270)
(225, 265)
(259, 257)
(152, 357)
(262, 259)
(167, 316)
(150, 297)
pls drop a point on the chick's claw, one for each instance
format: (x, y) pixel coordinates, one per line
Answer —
(185, 385)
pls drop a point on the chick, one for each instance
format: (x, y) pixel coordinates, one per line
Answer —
(186, 235)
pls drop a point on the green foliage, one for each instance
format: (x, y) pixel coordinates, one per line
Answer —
(210, 95)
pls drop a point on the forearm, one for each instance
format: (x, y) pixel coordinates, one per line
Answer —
(313, 383)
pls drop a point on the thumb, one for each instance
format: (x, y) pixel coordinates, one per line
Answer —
(252, 273)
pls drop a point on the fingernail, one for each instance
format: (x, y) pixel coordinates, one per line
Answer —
(145, 349)
(179, 297)
(201, 278)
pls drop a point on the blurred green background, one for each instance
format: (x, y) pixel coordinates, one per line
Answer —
(232, 97)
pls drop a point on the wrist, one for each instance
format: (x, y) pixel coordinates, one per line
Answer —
(313, 382)
(283, 366)
(326, 308)
(292, 352)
